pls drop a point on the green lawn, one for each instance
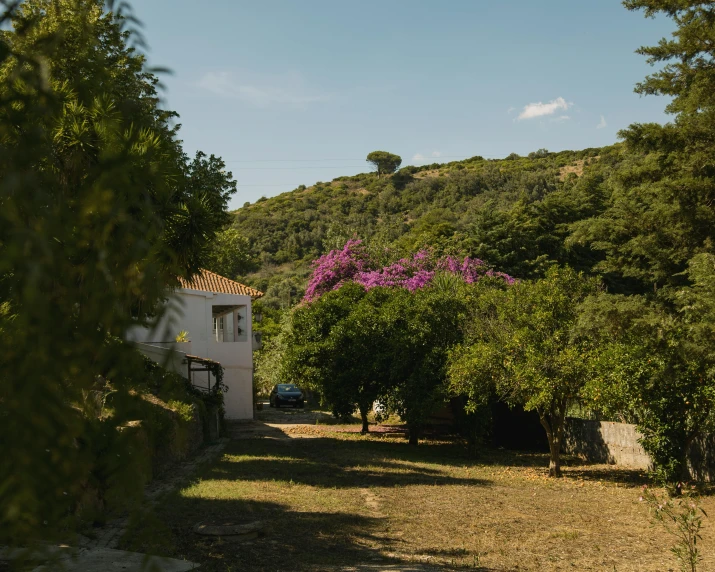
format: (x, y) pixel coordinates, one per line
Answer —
(331, 499)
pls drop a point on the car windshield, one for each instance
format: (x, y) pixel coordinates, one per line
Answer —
(285, 388)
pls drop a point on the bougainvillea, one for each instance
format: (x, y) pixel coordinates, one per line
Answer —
(353, 263)
(331, 270)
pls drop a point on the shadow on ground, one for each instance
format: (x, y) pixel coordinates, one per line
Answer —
(308, 530)
(572, 466)
(291, 541)
(319, 498)
(321, 462)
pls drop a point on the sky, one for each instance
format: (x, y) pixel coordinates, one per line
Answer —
(292, 92)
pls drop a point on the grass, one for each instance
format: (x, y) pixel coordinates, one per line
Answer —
(331, 499)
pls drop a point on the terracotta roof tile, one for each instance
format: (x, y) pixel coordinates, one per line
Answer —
(208, 281)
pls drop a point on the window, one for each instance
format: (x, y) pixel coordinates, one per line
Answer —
(218, 329)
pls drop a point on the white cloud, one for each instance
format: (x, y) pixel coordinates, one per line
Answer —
(540, 109)
(287, 90)
(602, 123)
(420, 158)
(511, 110)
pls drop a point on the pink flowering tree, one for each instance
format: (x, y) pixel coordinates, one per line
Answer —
(372, 332)
(332, 270)
(354, 264)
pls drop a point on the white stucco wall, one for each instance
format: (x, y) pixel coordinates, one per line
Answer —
(171, 359)
(191, 310)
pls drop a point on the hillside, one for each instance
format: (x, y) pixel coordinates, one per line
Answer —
(458, 207)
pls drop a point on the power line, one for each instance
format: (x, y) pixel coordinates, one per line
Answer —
(425, 159)
(285, 160)
(294, 168)
(240, 186)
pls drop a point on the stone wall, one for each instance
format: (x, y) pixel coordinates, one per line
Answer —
(605, 442)
(617, 444)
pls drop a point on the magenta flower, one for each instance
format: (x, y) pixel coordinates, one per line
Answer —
(352, 263)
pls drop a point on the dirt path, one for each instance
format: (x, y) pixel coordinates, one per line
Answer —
(280, 423)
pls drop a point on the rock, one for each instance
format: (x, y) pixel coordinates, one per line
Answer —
(246, 531)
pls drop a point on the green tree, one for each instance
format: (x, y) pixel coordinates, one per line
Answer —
(384, 162)
(230, 254)
(336, 347)
(521, 344)
(206, 177)
(689, 79)
(656, 237)
(659, 214)
(98, 217)
(539, 154)
(386, 344)
(531, 236)
(419, 329)
(656, 368)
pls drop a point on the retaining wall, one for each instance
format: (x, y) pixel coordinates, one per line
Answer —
(617, 444)
(605, 442)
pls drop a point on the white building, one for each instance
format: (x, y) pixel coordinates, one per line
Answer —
(216, 314)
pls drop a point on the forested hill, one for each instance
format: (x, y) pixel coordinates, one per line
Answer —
(511, 212)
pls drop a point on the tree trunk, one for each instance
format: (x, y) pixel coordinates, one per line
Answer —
(684, 469)
(555, 457)
(553, 424)
(413, 434)
(363, 416)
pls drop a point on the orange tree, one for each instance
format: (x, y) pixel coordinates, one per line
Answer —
(521, 345)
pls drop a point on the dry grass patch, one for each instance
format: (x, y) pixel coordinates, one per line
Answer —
(339, 499)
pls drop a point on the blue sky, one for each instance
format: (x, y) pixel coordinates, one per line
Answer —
(292, 92)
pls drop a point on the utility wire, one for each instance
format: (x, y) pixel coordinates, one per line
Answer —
(244, 186)
(424, 160)
(293, 168)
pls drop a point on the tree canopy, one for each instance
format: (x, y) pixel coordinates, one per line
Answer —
(100, 213)
(521, 345)
(384, 162)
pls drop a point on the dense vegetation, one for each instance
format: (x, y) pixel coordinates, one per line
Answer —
(100, 212)
(614, 249)
(511, 212)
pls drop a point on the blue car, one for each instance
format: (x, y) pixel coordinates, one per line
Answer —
(286, 394)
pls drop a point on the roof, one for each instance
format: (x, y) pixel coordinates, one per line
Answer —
(199, 359)
(208, 281)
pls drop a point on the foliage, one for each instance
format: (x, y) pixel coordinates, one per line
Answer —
(655, 233)
(683, 519)
(652, 366)
(689, 80)
(367, 334)
(100, 212)
(335, 348)
(230, 254)
(358, 346)
(421, 327)
(384, 162)
(660, 214)
(447, 207)
(522, 345)
(354, 263)
(268, 360)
